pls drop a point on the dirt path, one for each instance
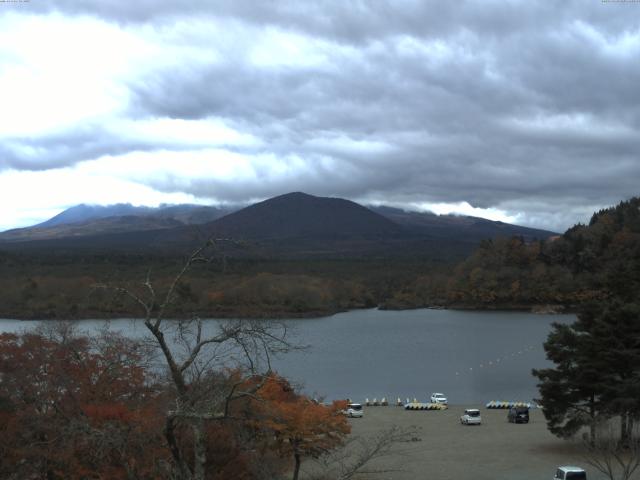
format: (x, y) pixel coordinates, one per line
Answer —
(495, 450)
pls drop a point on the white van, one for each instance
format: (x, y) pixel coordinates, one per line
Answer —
(570, 473)
(354, 410)
(438, 398)
(471, 416)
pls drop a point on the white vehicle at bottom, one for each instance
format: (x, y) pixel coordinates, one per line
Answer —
(471, 416)
(438, 398)
(354, 410)
(570, 473)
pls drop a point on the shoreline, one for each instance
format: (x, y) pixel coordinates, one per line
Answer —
(288, 315)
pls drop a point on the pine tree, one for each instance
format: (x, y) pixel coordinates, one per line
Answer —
(572, 392)
(597, 372)
(615, 327)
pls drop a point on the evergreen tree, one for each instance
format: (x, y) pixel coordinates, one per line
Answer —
(615, 327)
(597, 372)
(572, 392)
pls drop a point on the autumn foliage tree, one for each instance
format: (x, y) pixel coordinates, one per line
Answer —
(76, 408)
(300, 426)
(72, 407)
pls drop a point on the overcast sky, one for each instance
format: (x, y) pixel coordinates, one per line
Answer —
(523, 111)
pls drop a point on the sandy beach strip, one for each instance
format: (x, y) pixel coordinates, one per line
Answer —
(444, 449)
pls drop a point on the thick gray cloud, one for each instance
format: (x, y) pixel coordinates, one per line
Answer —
(532, 108)
(82, 143)
(64, 148)
(363, 21)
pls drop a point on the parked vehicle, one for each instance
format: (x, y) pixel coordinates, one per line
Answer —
(354, 410)
(471, 416)
(518, 415)
(438, 398)
(570, 473)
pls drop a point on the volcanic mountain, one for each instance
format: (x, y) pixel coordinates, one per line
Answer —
(299, 215)
(290, 225)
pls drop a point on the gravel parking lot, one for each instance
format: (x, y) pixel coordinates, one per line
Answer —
(495, 450)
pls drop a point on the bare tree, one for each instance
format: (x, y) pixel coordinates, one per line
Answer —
(356, 459)
(616, 459)
(196, 355)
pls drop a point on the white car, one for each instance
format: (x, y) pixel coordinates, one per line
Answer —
(471, 416)
(570, 473)
(438, 398)
(354, 410)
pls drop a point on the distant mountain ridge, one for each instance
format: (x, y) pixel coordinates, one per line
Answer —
(295, 224)
(476, 228)
(184, 213)
(86, 220)
(84, 213)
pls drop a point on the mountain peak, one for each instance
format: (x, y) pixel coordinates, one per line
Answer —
(299, 214)
(294, 195)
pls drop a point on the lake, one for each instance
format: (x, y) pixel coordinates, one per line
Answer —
(472, 357)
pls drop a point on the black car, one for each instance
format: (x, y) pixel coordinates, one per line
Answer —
(518, 415)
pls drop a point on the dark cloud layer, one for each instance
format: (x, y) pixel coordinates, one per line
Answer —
(530, 107)
(63, 148)
(366, 20)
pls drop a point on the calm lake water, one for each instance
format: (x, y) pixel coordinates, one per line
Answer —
(472, 357)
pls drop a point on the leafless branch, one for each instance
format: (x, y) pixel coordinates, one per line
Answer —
(611, 457)
(357, 455)
(190, 354)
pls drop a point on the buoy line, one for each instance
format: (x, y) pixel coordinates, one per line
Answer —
(495, 362)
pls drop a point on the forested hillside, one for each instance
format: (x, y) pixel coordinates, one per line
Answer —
(587, 262)
(45, 286)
